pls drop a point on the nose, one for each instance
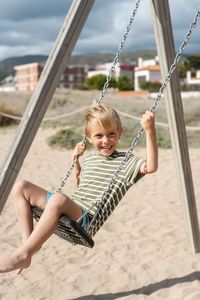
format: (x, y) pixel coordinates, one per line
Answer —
(105, 139)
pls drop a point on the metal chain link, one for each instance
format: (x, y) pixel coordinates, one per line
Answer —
(69, 172)
(152, 109)
(115, 61)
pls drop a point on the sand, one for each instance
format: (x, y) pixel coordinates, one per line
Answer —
(142, 251)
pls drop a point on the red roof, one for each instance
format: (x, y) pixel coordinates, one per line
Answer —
(150, 68)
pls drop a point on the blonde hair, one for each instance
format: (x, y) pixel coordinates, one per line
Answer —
(104, 115)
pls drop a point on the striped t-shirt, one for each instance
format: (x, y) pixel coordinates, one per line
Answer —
(97, 171)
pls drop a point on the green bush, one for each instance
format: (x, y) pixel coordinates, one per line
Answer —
(163, 139)
(113, 83)
(190, 88)
(192, 62)
(129, 133)
(97, 82)
(125, 84)
(182, 70)
(65, 139)
(193, 139)
(150, 86)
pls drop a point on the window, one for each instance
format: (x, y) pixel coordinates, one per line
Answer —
(61, 85)
(71, 77)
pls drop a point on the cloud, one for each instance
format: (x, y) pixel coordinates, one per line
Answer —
(18, 10)
(31, 27)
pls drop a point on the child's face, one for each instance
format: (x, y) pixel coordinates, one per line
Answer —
(104, 140)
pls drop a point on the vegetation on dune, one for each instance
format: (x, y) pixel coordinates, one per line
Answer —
(67, 138)
(66, 101)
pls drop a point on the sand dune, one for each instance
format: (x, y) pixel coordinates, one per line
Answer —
(140, 253)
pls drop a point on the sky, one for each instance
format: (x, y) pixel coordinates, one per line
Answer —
(31, 27)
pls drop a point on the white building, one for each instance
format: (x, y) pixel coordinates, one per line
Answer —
(8, 84)
(148, 62)
(193, 80)
(7, 89)
(147, 70)
(126, 69)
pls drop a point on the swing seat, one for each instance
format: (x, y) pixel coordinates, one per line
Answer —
(68, 229)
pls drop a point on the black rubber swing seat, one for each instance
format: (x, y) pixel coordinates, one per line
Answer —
(68, 229)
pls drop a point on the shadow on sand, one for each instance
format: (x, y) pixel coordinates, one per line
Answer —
(145, 290)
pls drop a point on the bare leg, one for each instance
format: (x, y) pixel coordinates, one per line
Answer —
(57, 205)
(26, 195)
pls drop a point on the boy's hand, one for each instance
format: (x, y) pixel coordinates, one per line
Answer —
(151, 163)
(79, 150)
(148, 122)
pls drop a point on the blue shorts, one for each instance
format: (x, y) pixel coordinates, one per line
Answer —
(84, 220)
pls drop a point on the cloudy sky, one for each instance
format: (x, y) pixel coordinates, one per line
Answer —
(31, 27)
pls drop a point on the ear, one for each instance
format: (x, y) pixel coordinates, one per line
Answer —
(120, 132)
(89, 140)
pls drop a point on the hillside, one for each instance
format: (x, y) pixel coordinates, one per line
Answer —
(93, 59)
(7, 65)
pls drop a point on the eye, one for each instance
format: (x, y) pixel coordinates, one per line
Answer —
(112, 133)
(98, 136)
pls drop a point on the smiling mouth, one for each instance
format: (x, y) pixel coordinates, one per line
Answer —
(106, 148)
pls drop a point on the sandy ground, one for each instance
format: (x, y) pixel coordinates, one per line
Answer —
(141, 252)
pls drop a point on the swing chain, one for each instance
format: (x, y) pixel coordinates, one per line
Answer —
(140, 131)
(59, 189)
(116, 59)
(69, 172)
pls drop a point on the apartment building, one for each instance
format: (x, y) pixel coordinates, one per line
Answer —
(147, 70)
(121, 69)
(73, 76)
(27, 76)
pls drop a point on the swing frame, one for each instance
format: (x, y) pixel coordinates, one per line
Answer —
(72, 233)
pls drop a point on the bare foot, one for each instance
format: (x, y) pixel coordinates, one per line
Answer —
(16, 260)
(21, 269)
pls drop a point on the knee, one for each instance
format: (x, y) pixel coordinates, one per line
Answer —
(19, 187)
(58, 201)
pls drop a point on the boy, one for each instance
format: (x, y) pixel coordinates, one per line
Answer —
(103, 129)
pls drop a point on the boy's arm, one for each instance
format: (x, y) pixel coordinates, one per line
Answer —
(78, 150)
(150, 165)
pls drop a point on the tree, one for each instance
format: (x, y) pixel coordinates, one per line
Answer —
(150, 86)
(97, 82)
(125, 84)
(192, 63)
(182, 69)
